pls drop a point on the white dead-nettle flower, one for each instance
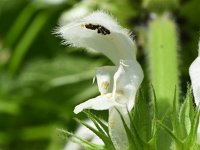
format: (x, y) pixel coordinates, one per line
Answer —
(85, 134)
(195, 78)
(117, 84)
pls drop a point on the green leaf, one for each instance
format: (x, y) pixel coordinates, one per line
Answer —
(107, 141)
(169, 132)
(26, 41)
(186, 116)
(95, 118)
(19, 25)
(132, 139)
(142, 111)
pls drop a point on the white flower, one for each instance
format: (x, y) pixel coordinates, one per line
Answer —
(117, 84)
(195, 78)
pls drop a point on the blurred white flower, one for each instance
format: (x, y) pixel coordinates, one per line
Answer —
(48, 2)
(85, 134)
(75, 13)
(195, 79)
(54, 1)
(117, 84)
(78, 11)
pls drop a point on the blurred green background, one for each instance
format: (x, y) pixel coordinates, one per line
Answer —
(42, 80)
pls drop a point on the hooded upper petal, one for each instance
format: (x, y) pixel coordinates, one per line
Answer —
(99, 32)
(195, 78)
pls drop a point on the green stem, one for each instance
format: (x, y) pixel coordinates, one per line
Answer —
(162, 47)
(160, 5)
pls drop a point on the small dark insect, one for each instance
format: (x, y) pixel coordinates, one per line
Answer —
(91, 26)
(100, 29)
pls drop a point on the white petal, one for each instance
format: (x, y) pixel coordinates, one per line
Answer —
(116, 129)
(195, 78)
(100, 32)
(105, 78)
(102, 102)
(127, 81)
